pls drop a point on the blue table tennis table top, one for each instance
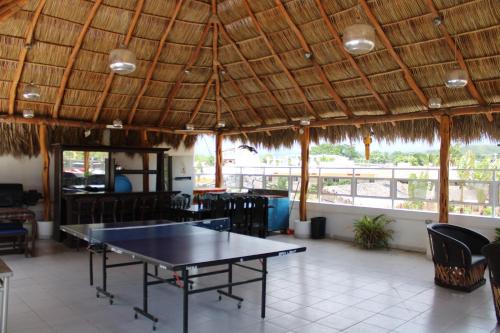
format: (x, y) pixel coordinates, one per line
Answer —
(178, 246)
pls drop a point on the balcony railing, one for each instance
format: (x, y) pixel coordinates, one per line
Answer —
(472, 191)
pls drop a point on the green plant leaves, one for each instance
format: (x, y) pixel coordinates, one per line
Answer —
(371, 233)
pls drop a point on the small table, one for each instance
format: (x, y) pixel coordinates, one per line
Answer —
(5, 275)
(22, 214)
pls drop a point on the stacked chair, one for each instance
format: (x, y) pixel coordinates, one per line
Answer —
(457, 257)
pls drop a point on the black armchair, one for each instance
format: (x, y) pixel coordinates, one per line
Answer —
(492, 254)
(457, 257)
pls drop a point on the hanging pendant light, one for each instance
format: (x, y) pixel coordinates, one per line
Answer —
(28, 113)
(122, 61)
(189, 127)
(117, 123)
(305, 121)
(221, 124)
(359, 38)
(434, 103)
(31, 92)
(456, 78)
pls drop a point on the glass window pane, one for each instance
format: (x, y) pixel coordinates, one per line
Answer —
(277, 183)
(416, 189)
(232, 182)
(252, 181)
(373, 187)
(338, 186)
(469, 192)
(205, 181)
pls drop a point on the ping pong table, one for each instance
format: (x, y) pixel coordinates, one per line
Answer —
(181, 248)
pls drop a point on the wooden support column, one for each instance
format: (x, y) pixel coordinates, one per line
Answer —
(145, 162)
(42, 138)
(444, 167)
(218, 159)
(86, 167)
(304, 173)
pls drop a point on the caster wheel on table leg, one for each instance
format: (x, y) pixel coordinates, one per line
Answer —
(154, 328)
(239, 305)
(136, 316)
(110, 302)
(220, 298)
(97, 295)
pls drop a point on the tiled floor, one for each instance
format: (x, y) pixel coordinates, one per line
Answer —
(332, 287)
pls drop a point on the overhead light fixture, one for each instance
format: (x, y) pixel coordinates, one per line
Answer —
(87, 133)
(28, 113)
(359, 38)
(223, 71)
(31, 92)
(117, 123)
(438, 20)
(434, 102)
(305, 121)
(189, 127)
(221, 124)
(456, 78)
(187, 71)
(308, 55)
(122, 61)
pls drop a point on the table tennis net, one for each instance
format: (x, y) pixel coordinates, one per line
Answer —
(103, 235)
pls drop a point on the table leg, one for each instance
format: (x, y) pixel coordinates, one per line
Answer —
(91, 267)
(185, 307)
(5, 301)
(263, 296)
(103, 290)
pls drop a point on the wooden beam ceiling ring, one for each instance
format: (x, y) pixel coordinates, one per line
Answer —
(72, 58)
(387, 43)
(471, 87)
(228, 38)
(317, 67)
(109, 80)
(156, 57)
(175, 89)
(22, 56)
(292, 79)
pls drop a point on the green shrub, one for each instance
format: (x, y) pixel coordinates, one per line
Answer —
(371, 233)
(497, 235)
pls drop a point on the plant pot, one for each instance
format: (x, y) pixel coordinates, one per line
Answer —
(45, 229)
(302, 229)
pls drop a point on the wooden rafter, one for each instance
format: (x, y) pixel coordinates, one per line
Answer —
(10, 7)
(317, 67)
(287, 72)
(383, 37)
(471, 87)
(202, 99)
(245, 98)
(22, 56)
(228, 38)
(215, 61)
(156, 57)
(72, 59)
(350, 58)
(368, 120)
(175, 89)
(111, 75)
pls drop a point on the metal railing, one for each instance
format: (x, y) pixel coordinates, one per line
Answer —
(472, 191)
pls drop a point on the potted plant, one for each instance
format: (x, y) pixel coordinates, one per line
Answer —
(371, 233)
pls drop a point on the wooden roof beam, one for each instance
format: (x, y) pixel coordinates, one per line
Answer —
(370, 120)
(215, 61)
(72, 59)
(111, 75)
(202, 99)
(22, 56)
(156, 57)
(9, 8)
(297, 87)
(175, 89)
(331, 91)
(228, 38)
(406, 72)
(350, 58)
(471, 87)
(90, 125)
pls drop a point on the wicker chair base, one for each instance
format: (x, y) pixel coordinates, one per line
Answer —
(459, 278)
(496, 299)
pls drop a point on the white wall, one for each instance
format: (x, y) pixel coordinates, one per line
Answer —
(26, 171)
(409, 226)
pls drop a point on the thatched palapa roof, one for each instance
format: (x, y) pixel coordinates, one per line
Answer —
(244, 62)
